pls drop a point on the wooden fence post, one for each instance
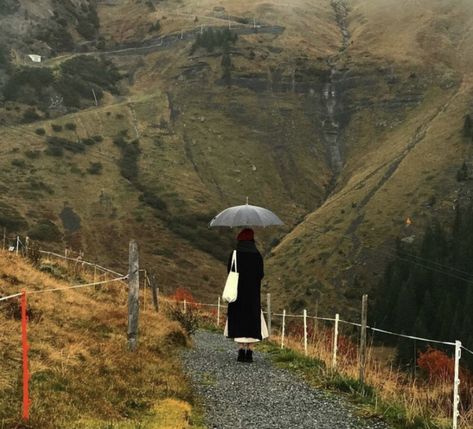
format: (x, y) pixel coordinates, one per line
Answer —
(133, 295)
(283, 329)
(218, 311)
(185, 306)
(148, 283)
(154, 292)
(268, 309)
(4, 238)
(364, 322)
(144, 290)
(316, 321)
(335, 342)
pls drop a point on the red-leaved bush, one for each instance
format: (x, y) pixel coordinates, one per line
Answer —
(438, 366)
(181, 294)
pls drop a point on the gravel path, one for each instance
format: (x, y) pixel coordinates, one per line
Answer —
(260, 395)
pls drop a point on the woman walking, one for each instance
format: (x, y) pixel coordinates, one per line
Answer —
(245, 321)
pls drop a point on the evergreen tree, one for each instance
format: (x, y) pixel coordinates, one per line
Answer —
(4, 58)
(426, 317)
(422, 294)
(210, 40)
(468, 126)
(406, 308)
(463, 173)
(227, 68)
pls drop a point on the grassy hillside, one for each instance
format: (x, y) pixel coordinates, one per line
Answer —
(82, 375)
(403, 146)
(344, 117)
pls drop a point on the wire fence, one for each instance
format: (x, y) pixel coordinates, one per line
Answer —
(342, 354)
(24, 249)
(305, 337)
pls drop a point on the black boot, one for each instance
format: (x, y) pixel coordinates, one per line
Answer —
(249, 356)
(241, 355)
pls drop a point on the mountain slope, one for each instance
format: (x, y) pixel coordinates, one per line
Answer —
(344, 117)
(403, 149)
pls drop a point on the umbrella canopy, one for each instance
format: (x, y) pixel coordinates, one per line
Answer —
(246, 215)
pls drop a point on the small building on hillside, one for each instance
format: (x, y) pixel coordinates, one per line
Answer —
(35, 58)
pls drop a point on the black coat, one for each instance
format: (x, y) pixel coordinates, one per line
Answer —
(244, 315)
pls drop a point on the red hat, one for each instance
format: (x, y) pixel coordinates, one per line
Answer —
(246, 234)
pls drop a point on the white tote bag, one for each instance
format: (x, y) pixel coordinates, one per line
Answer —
(230, 292)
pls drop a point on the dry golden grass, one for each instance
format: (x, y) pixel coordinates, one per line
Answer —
(395, 391)
(82, 375)
(420, 32)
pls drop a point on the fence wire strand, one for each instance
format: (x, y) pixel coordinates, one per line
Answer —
(78, 286)
(81, 261)
(448, 343)
(329, 319)
(123, 277)
(467, 349)
(10, 296)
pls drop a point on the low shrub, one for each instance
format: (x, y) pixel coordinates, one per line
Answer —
(119, 141)
(350, 385)
(56, 37)
(54, 270)
(27, 84)
(30, 115)
(71, 126)
(211, 39)
(70, 219)
(40, 131)
(74, 82)
(189, 319)
(20, 163)
(193, 227)
(34, 255)
(129, 161)
(45, 230)
(95, 168)
(4, 58)
(56, 127)
(39, 185)
(100, 72)
(32, 154)
(10, 218)
(88, 141)
(155, 27)
(59, 142)
(56, 151)
(88, 24)
(153, 200)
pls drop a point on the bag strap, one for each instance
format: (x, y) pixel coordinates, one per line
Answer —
(234, 261)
